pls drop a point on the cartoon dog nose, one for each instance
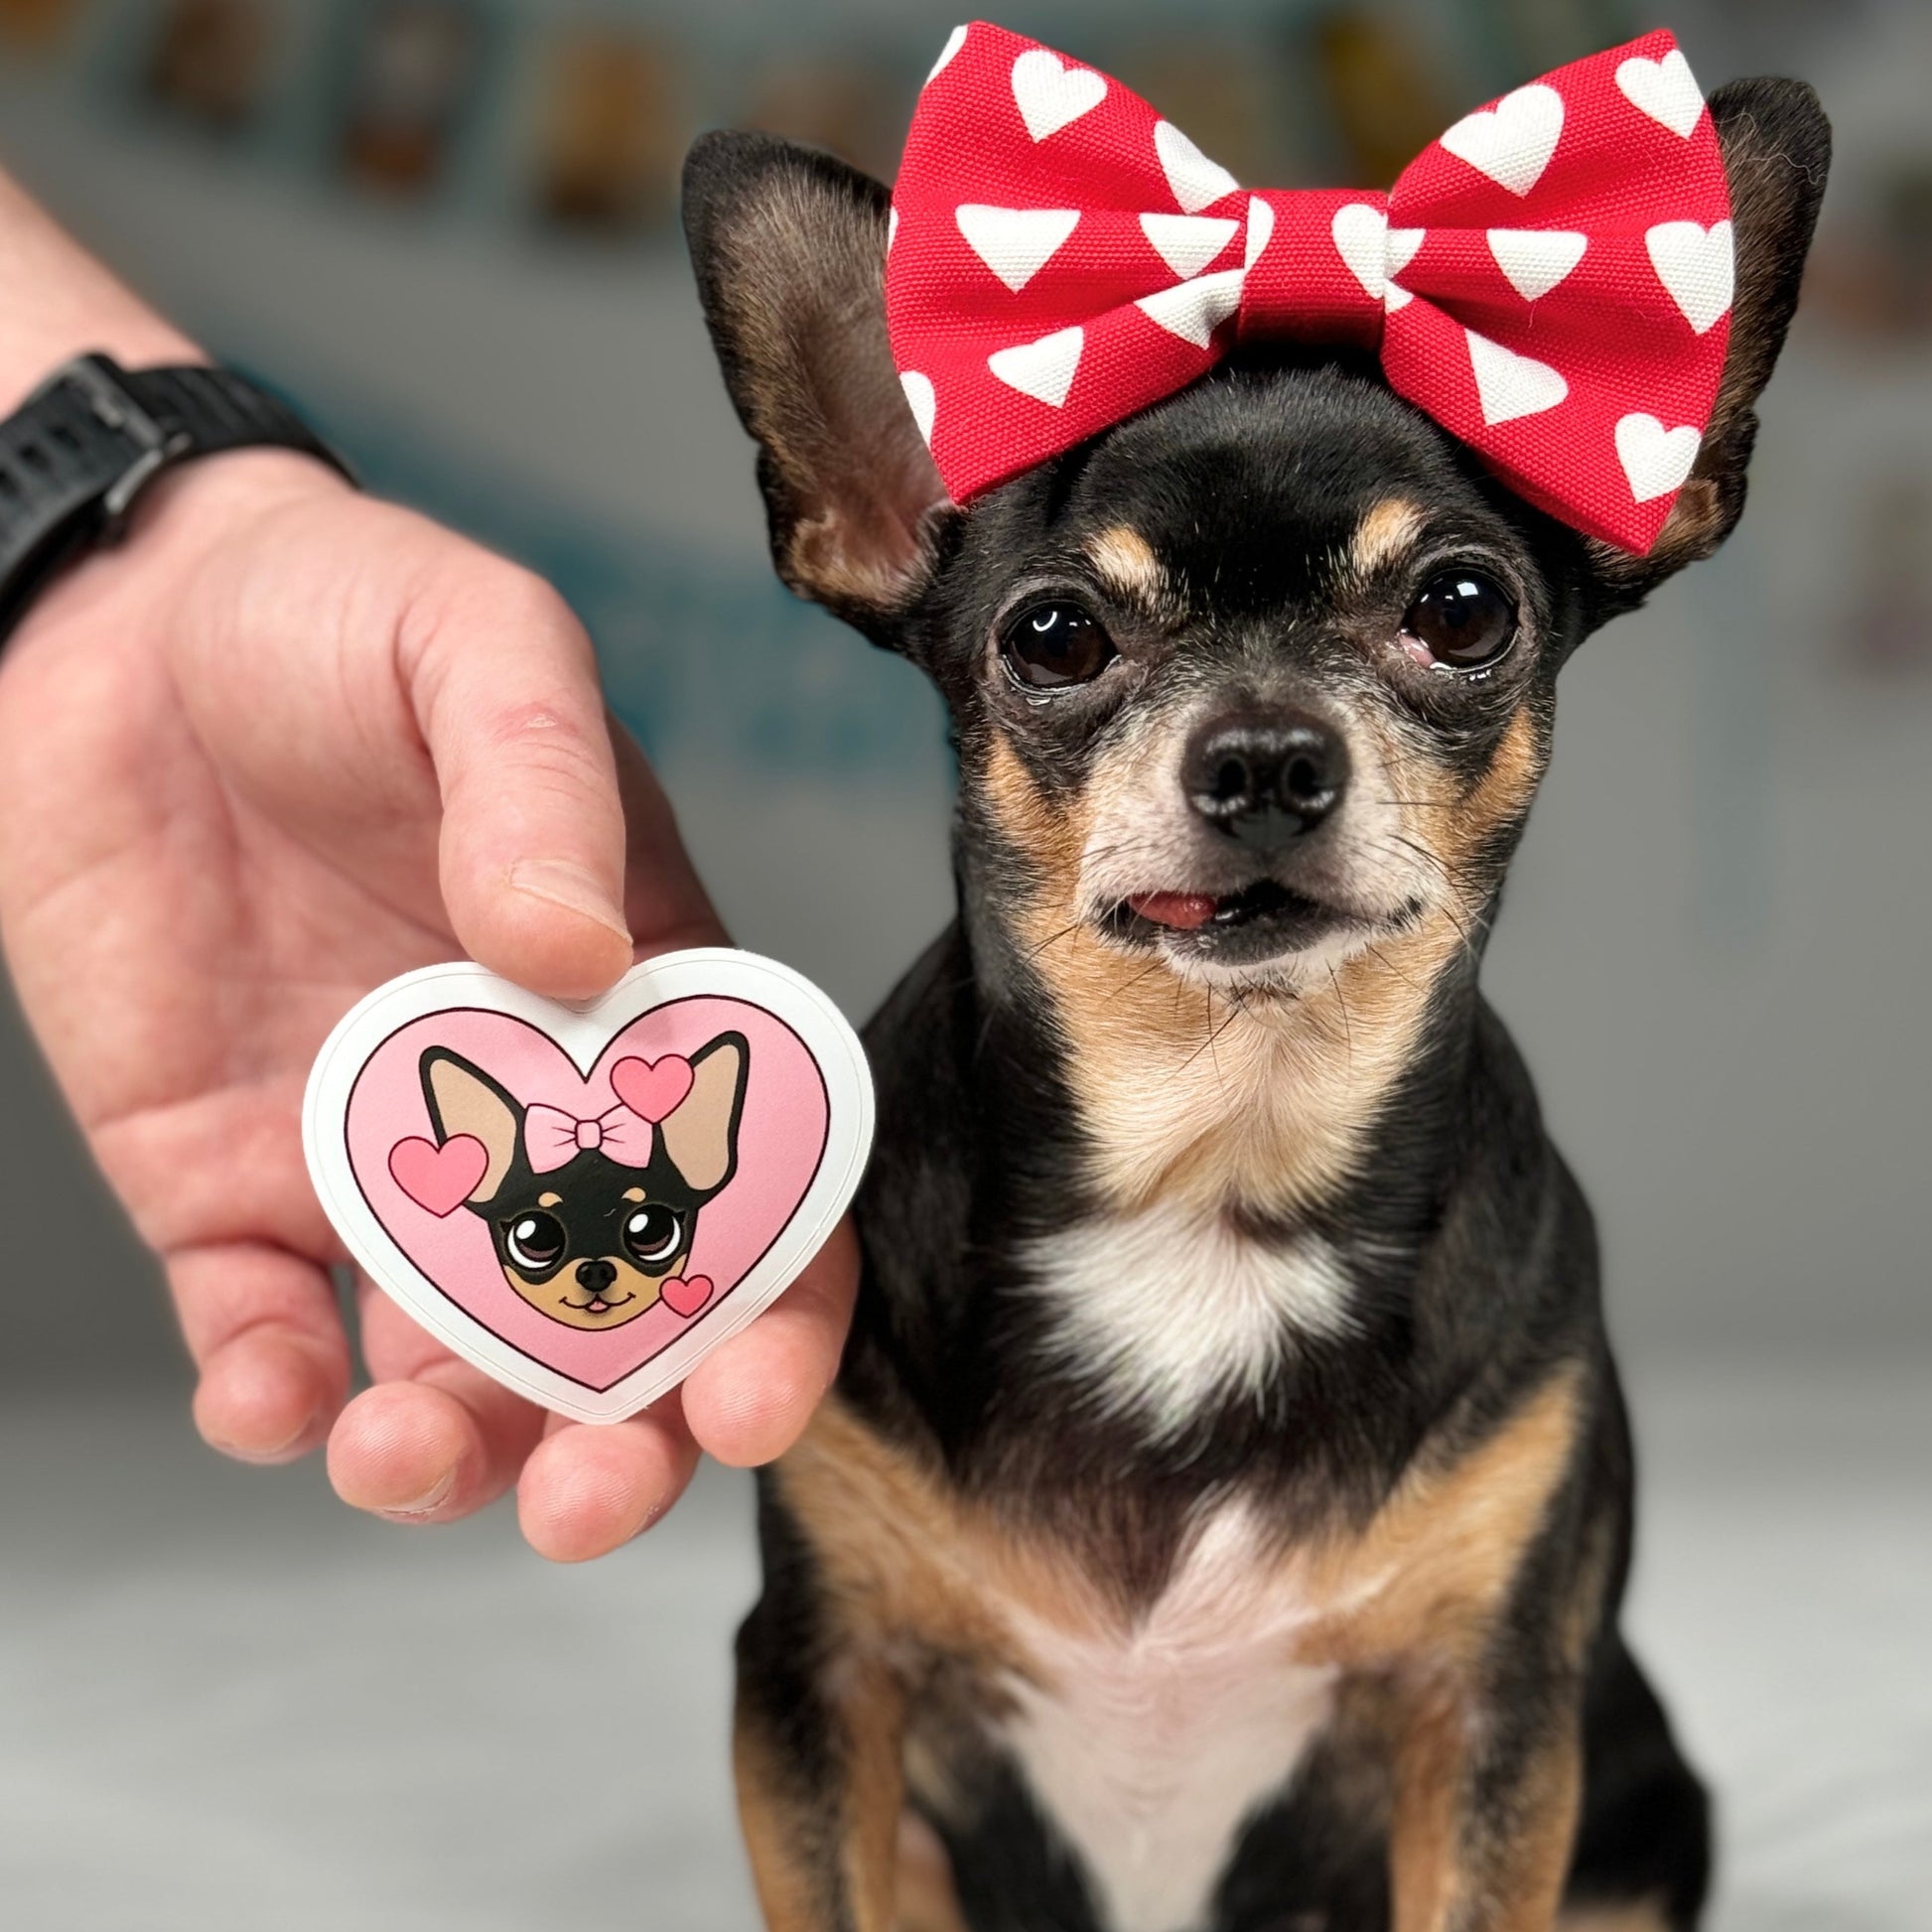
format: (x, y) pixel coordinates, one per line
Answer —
(1265, 779)
(595, 1276)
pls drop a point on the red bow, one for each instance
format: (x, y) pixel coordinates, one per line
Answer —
(1551, 280)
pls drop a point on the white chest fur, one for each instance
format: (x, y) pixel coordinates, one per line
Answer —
(1171, 1308)
(1148, 1748)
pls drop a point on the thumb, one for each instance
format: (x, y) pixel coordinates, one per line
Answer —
(504, 688)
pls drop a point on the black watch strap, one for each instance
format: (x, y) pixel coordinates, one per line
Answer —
(84, 445)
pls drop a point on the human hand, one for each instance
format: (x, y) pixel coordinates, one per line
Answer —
(290, 742)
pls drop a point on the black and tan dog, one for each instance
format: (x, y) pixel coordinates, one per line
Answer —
(1222, 1514)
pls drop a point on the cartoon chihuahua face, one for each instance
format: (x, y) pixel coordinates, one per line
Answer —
(590, 1217)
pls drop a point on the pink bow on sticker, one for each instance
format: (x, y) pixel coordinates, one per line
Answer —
(551, 1137)
(647, 1091)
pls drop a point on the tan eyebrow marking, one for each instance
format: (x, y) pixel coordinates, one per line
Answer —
(1125, 562)
(550, 1200)
(1386, 533)
(633, 1193)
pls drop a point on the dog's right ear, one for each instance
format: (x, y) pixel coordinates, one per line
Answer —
(463, 1099)
(789, 246)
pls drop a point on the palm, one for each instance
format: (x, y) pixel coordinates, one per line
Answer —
(247, 783)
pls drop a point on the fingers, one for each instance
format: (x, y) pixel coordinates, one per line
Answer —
(504, 688)
(750, 1400)
(663, 901)
(433, 1447)
(586, 1489)
(264, 1331)
(434, 1438)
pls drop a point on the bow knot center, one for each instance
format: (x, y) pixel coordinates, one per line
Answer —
(590, 1133)
(1318, 267)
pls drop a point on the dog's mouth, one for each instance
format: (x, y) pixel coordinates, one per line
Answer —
(1263, 920)
(597, 1304)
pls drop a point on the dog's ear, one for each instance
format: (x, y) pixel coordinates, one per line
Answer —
(463, 1099)
(1777, 149)
(790, 247)
(700, 1131)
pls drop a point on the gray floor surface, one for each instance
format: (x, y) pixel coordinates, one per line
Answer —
(229, 1705)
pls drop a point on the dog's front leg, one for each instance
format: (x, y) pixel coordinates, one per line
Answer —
(816, 1750)
(1485, 1808)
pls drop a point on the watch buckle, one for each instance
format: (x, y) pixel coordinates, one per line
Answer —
(100, 382)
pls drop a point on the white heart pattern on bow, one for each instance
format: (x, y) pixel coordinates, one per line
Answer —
(1196, 181)
(954, 42)
(1509, 385)
(1536, 261)
(1195, 310)
(1188, 242)
(1511, 142)
(1697, 266)
(1361, 236)
(1261, 229)
(1016, 244)
(1050, 96)
(1042, 369)
(920, 398)
(1655, 459)
(1374, 251)
(1664, 89)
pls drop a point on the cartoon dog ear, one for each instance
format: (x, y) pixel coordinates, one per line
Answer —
(701, 1131)
(463, 1099)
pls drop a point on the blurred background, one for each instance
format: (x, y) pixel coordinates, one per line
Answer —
(448, 229)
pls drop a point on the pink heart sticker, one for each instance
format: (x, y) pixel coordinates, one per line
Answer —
(485, 1156)
(439, 1179)
(652, 1089)
(686, 1296)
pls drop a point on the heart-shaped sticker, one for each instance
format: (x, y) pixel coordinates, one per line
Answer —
(587, 1201)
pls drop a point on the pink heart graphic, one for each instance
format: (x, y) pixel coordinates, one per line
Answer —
(651, 1064)
(439, 1179)
(686, 1294)
(652, 1089)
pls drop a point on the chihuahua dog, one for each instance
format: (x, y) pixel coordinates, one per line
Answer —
(591, 1218)
(1221, 1516)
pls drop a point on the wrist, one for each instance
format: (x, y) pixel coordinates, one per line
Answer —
(182, 519)
(65, 303)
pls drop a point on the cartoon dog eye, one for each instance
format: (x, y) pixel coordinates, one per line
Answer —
(536, 1241)
(652, 1235)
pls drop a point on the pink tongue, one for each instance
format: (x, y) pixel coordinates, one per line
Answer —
(598, 1306)
(1185, 911)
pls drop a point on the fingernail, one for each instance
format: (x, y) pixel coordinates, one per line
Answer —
(570, 887)
(431, 1499)
(261, 1452)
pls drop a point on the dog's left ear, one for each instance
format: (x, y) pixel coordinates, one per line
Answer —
(463, 1099)
(790, 247)
(700, 1131)
(1777, 150)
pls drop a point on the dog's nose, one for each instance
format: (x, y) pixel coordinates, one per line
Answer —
(1265, 779)
(595, 1276)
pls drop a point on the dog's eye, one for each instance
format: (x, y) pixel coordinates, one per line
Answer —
(536, 1241)
(652, 1235)
(1462, 621)
(1049, 646)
